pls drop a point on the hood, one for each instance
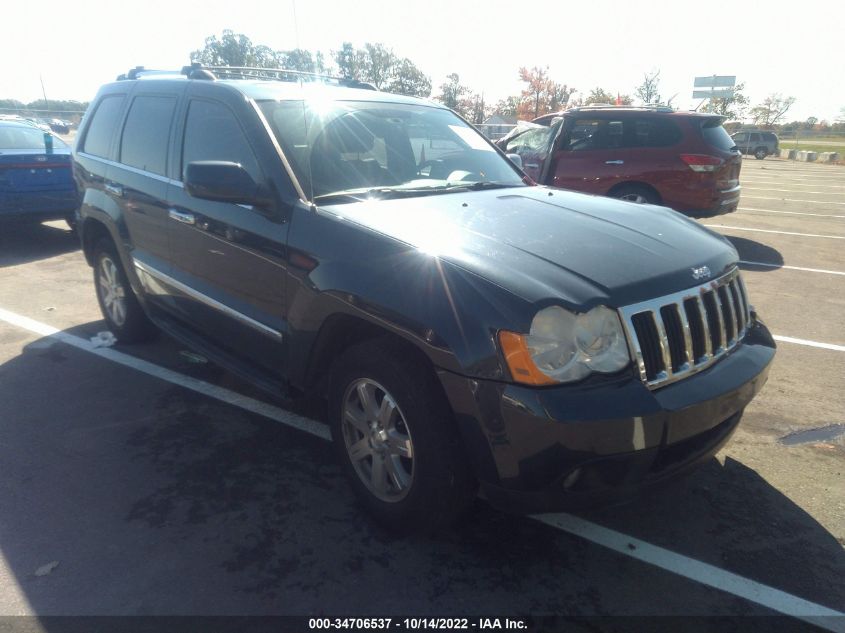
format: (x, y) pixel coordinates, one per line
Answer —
(546, 244)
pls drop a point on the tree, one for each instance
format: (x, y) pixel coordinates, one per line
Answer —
(507, 106)
(647, 91)
(452, 93)
(379, 65)
(350, 61)
(302, 60)
(810, 123)
(772, 109)
(234, 50)
(409, 80)
(559, 95)
(598, 96)
(535, 94)
(733, 107)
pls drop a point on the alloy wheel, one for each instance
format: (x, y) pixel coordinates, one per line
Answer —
(112, 291)
(378, 441)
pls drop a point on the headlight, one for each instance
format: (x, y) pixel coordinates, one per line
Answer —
(564, 347)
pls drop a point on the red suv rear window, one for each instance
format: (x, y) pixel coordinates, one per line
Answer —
(715, 135)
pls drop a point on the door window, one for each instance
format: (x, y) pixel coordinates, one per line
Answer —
(103, 126)
(213, 133)
(146, 133)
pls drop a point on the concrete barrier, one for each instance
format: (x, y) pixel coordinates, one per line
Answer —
(788, 153)
(807, 157)
(828, 157)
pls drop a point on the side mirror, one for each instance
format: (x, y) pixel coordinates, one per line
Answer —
(223, 181)
(516, 159)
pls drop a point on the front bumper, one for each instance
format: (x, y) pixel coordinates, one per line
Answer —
(563, 447)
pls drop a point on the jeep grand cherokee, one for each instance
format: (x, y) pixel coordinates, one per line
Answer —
(466, 328)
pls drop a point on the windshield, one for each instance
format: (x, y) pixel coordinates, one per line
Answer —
(20, 137)
(349, 149)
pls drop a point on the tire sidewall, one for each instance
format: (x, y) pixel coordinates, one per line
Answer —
(136, 327)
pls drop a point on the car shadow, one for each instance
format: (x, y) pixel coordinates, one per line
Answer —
(756, 255)
(23, 242)
(124, 494)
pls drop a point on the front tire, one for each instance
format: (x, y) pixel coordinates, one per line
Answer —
(120, 307)
(760, 153)
(396, 440)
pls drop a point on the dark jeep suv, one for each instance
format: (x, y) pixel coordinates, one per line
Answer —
(465, 327)
(683, 160)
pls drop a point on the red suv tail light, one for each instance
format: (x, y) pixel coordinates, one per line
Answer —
(701, 162)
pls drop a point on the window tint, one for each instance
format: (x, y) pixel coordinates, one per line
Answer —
(715, 135)
(213, 133)
(103, 126)
(651, 132)
(145, 135)
(755, 138)
(589, 134)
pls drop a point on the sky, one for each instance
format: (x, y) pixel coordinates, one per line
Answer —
(777, 46)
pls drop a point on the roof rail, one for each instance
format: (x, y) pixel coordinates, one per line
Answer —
(649, 107)
(212, 73)
(198, 71)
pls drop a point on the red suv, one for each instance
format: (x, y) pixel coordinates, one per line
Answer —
(683, 160)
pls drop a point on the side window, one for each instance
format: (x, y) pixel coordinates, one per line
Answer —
(213, 133)
(588, 134)
(103, 126)
(741, 137)
(652, 133)
(146, 133)
(755, 138)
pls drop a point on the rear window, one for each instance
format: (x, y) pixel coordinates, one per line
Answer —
(715, 135)
(102, 129)
(20, 137)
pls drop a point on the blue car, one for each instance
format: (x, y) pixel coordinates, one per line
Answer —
(36, 182)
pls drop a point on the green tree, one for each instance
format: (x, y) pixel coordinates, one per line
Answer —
(234, 49)
(733, 107)
(409, 80)
(649, 90)
(350, 61)
(453, 93)
(302, 60)
(599, 96)
(507, 106)
(772, 109)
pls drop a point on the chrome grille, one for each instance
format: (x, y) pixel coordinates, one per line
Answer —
(675, 336)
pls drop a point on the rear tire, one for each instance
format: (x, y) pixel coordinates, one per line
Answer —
(120, 307)
(393, 432)
(760, 153)
(636, 193)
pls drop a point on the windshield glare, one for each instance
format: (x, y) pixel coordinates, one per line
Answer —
(349, 146)
(20, 137)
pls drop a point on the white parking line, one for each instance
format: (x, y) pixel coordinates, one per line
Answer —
(824, 193)
(790, 200)
(742, 228)
(820, 215)
(802, 341)
(698, 571)
(809, 270)
(679, 564)
(803, 182)
(200, 386)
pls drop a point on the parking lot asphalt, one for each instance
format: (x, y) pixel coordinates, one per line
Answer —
(123, 492)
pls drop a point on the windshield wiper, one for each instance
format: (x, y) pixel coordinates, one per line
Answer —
(382, 193)
(482, 184)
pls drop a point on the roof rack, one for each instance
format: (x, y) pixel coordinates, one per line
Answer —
(649, 107)
(212, 73)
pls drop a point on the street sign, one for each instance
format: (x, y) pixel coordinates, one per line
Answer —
(722, 93)
(715, 81)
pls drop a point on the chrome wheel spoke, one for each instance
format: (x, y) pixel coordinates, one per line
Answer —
(360, 450)
(356, 418)
(367, 397)
(399, 445)
(385, 412)
(378, 475)
(398, 477)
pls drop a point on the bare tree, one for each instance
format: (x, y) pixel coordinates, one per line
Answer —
(772, 109)
(647, 91)
(733, 107)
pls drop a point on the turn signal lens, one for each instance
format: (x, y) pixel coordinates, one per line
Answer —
(518, 359)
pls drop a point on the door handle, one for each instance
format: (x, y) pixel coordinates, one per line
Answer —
(614, 162)
(114, 189)
(179, 216)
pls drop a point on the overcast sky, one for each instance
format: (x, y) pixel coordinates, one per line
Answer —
(787, 47)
